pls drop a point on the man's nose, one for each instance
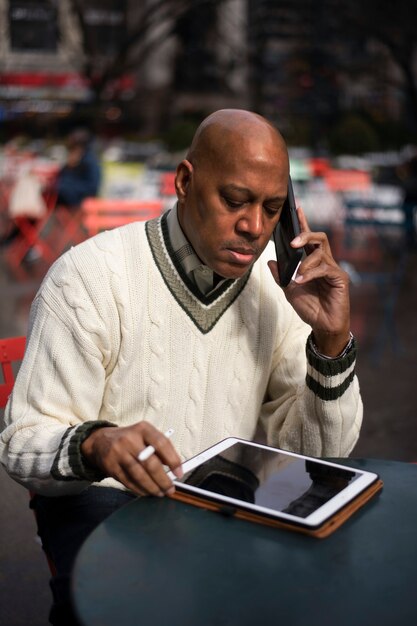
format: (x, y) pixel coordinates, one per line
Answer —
(251, 222)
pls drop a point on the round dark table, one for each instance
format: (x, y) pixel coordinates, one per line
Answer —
(160, 562)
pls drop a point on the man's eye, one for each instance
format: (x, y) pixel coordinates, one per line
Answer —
(234, 204)
(272, 210)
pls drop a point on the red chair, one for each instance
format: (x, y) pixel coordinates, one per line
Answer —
(11, 353)
(319, 166)
(167, 184)
(105, 213)
(30, 236)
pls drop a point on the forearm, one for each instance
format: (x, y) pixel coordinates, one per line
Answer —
(49, 459)
(322, 415)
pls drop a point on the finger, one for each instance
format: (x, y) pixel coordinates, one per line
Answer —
(303, 220)
(158, 474)
(322, 267)
(312, 240)
(273, 266)
(125, 479)
(165, 451)
(149, 477)
(315, 258)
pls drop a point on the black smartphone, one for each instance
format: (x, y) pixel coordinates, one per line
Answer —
(287, 228)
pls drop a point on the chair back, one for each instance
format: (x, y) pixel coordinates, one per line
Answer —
(11, 351)
(106, 213)
(32, 233)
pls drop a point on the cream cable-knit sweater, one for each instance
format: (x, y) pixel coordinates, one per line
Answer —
(119, 334)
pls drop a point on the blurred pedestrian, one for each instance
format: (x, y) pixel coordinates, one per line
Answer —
(80, 177)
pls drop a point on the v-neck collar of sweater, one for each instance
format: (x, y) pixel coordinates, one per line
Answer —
(205, 311)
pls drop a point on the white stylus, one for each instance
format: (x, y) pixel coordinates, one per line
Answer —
(149, 450)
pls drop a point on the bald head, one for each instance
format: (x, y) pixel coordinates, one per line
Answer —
(233, 130)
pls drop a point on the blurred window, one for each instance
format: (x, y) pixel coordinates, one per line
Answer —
(105, 22)
(196, 67)
(33, 25)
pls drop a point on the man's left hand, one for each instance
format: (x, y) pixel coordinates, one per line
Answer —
(320, 291)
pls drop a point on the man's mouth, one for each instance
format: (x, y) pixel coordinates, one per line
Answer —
(242, 256)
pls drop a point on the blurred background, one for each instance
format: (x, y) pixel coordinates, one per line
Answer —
(116, 89)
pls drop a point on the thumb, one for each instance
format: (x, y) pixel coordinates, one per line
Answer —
(273, 266)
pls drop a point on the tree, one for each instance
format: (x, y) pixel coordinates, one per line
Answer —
(137, 29)
(359, 25)
(315, 59)
(392, 25)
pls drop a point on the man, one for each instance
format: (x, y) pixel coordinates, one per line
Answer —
(179, 323)
(80, 177)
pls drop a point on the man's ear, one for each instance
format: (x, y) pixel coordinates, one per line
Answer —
(183, 178)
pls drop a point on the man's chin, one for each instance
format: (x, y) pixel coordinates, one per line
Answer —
(233, 272)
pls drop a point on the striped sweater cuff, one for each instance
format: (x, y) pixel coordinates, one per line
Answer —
(69, 464)
(330, 378)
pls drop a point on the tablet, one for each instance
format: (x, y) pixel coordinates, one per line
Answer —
(269, 485)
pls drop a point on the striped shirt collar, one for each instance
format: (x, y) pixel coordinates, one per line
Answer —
(201, 275)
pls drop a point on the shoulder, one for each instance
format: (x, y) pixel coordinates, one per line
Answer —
(99, 263)
(109, 250)
(90, 256)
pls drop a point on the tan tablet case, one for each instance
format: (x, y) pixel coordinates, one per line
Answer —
(324, 530)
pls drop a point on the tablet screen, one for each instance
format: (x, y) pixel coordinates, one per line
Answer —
(271, 479)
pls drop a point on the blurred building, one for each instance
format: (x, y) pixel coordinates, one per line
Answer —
(145, 64)
(307, 70)
(53, 64)
(44, 54)
(39, 60)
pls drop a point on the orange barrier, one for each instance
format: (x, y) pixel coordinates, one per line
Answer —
(347, 180)
(103, 213)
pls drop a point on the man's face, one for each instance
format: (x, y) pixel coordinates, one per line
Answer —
(229, 206)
